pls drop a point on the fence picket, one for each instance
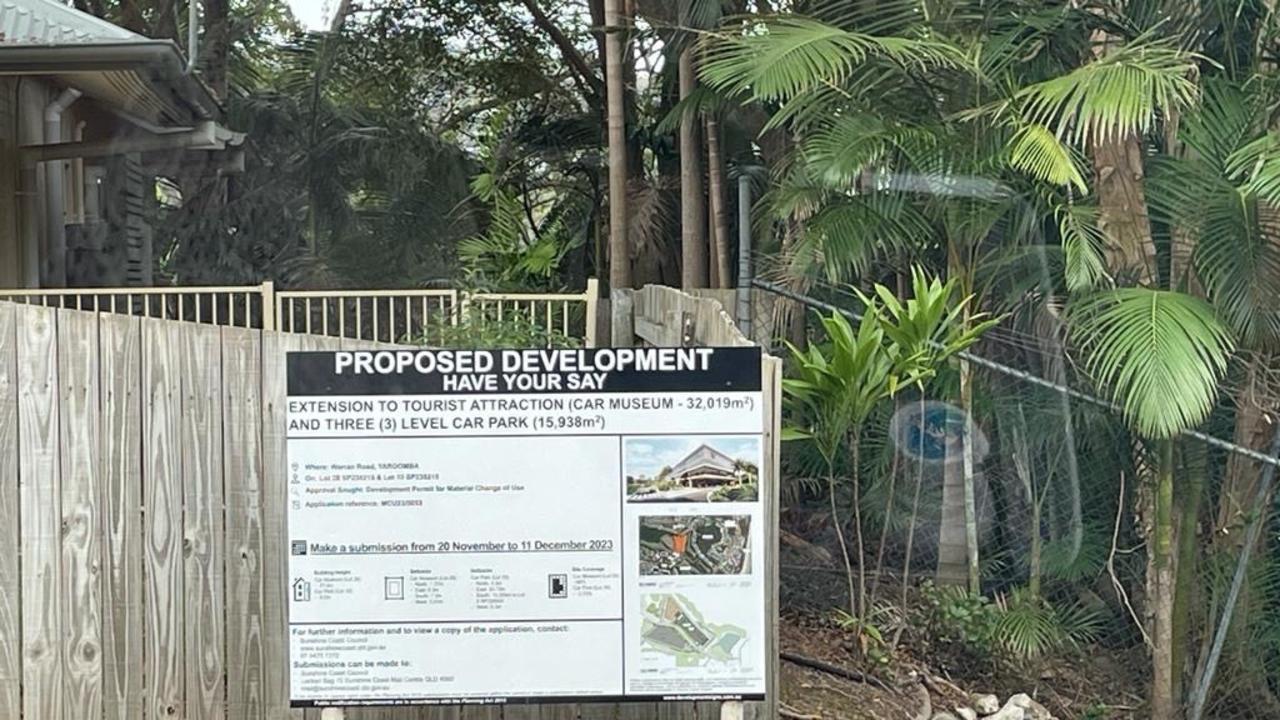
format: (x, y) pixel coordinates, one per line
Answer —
(120, 339)
(242, 468)
(10, 571)
(163, 613)
(40, 488)
(203, 551)
(81, 491)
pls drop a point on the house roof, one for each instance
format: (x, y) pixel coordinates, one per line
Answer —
(704, 456)
(137, 76)
(44, 22)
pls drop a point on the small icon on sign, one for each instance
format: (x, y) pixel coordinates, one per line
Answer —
(301, 590)
(298, 547)
(558, 586)
(395, 588)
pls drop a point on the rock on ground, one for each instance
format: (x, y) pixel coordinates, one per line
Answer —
(1032, 709)
(985, 703)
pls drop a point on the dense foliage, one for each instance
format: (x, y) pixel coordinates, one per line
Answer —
(1102, 177)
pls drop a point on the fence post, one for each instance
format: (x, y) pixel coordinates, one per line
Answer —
(593, 298)
(270, 312)
(461, 306)
(744, 256)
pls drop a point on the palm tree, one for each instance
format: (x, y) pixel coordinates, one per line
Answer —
(619, 245)
(1097, 140)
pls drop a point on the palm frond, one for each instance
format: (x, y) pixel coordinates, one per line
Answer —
(1039, 153)
(1085, 267)
(790, 56)
(1119, 93)
(1257, 166)
(1159, 353)
(847, 233)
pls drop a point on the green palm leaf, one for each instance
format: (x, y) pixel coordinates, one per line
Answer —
(847, 233)
(791, 56)
(1082, 244)
(1119, 93)
(1160, 353)
(1039, 153)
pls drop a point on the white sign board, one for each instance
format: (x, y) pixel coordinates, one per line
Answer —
(490, 526)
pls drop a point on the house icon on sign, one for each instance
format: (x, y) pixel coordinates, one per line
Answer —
(301, 590)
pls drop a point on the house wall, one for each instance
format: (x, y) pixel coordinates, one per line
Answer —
(10, 247)
(113, 249)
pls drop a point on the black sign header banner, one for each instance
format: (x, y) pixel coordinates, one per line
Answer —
(512, 371)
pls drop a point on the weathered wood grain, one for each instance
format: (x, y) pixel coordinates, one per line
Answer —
(10, 542)
(242, 470)
(203, 533)
(162, 496)
(120, 338)
(598, 711)
(81, 601)
(41, 503)
(275, 544)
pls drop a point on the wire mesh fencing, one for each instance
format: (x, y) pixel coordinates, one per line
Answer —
(1031, 488)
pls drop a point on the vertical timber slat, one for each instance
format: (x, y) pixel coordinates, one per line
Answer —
(275, 561)
(121, 457)
(242, 467)
(39, 483)
(81, 601)
(10, 625)
(162, 497)
(202, 545)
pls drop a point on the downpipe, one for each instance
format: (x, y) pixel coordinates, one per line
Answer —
(55, 261)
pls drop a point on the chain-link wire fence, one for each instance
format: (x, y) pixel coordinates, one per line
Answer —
(1044, 479)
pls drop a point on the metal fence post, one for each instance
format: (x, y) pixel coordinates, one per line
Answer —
(592, 295)
(744, 256)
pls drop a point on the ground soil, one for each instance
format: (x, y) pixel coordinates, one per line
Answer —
(1101, 683)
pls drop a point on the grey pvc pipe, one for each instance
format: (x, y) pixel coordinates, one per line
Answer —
(55, 261)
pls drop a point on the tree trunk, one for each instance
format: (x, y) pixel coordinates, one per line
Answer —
(716, 205)
(953, 565)
(216, 45)
(619, 247)
(970, 502)
(856, 492)
(693, 224)
(1187, 503)
(1130, 251)
(1240, 486)
(1161, 562)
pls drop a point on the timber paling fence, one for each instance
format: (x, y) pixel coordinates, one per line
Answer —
(389, 316)
(142, 551)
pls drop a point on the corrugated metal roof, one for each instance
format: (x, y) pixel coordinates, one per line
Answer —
(46, 22)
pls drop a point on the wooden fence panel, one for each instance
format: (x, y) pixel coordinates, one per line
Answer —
(41, 503)
(81, 604)
(275, 491)
(162, 496)
(203, 536)
(143, 545)
(120, 339)
(10, 571)
(246, 541)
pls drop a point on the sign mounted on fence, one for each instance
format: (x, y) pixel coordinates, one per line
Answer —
(485, 526)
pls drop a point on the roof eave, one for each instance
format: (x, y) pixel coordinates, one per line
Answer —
(161, 57)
